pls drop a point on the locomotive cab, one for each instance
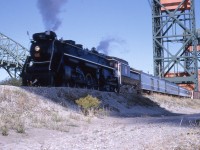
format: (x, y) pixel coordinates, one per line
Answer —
(122, 70)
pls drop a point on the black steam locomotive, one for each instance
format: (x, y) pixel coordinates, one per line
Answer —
(54, 62)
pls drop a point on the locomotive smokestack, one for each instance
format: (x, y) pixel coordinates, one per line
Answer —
(50, 9)
(104, 45)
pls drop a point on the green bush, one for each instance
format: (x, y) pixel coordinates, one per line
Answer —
(88, 104)
(11, 81)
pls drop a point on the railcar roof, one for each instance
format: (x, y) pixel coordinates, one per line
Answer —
(119, 59)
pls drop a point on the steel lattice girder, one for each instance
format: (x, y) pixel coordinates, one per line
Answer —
(174, 32)
(12, 55)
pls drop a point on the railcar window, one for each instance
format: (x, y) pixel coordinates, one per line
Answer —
(152, 83)
(158, 85)
(135, 76)
(125, 70)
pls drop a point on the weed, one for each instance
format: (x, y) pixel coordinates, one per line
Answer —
(198, 122)
(104, 111)
(88, 104)
(4, 130)
(56, 117)
(74, 116)
(89, 119)
(20, 128)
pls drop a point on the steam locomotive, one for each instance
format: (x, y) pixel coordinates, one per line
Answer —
(54, 62)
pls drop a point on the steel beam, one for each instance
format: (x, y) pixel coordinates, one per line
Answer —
(12, 56)
(175, 40)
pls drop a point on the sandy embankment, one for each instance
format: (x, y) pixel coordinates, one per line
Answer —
(49, 119)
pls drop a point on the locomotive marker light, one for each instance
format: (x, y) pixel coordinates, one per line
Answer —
(31, 63)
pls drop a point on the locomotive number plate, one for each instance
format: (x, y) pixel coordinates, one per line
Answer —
(37, 55)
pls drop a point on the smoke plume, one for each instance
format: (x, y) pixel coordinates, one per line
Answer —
(50, 10)
(105, 44)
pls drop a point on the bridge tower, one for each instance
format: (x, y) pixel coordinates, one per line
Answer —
(175, 41)
(12, 56)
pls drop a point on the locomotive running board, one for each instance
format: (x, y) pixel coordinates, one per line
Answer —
(88, 61)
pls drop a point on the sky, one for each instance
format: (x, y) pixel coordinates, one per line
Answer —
(88, 22)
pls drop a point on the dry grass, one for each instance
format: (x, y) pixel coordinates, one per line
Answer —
(171, 100)
(39, 108)
(11, 81)
(186, 141)
(55, 109)
(4, 130)
(19, 110)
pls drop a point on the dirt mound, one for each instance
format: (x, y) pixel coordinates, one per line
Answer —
(48, 118)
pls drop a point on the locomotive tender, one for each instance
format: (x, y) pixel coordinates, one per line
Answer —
(54, 62)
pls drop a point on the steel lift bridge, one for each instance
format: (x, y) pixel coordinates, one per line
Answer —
(175, 42)
(12, 56)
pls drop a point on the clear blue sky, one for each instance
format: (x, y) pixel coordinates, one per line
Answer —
(88, 22)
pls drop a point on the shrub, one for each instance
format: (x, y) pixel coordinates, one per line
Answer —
(88, 104)
(20, 127)
(11, 81)
(198, 122)
(4, 130)
(56, 117)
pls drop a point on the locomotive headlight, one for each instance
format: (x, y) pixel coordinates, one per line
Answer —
(37, 48)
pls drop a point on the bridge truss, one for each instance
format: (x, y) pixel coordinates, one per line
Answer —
(12, 56)
(175, 41)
